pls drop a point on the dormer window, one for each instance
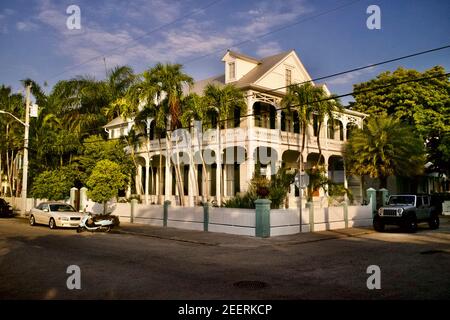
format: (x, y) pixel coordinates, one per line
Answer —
(288, 77)
(232, 70)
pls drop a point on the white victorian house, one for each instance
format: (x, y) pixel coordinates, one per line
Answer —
(267, 138)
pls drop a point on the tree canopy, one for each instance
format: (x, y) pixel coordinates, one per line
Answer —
(384, 147)
(105, 181)
(423, 104)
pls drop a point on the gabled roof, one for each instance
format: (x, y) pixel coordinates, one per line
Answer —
(115, 122)
(243, 56)
(264, 66)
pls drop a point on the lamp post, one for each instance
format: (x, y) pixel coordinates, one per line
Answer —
(26, 124)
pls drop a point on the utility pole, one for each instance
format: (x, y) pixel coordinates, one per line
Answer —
(25, 151)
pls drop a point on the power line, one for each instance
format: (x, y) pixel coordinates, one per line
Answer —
(193, 12)
(358, 69)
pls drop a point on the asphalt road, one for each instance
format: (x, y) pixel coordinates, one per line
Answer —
(34, 260)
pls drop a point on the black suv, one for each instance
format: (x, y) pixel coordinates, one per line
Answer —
(406, 211)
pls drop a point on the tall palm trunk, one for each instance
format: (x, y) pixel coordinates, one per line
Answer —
(177, 169)
(318, 143)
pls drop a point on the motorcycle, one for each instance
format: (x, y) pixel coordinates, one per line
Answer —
(88, 223)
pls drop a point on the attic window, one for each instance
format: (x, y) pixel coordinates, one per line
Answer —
(288, 77)
(231, 70)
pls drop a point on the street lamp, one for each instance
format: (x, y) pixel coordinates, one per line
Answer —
(5, 112)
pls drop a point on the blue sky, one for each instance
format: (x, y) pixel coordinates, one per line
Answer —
(36, 43)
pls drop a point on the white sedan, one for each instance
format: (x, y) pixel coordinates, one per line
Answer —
(55, 214)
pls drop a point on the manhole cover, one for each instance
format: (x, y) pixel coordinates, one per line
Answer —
(253, 285)
(432, 252)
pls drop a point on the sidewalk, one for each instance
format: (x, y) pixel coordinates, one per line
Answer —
(229, 240)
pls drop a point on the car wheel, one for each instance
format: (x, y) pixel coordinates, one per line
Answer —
(32, 221)
(79, 229)
(434, 222)
(378, 224)
(52, 224)
(411, 224)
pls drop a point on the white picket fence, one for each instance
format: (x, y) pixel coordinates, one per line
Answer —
(243, 221)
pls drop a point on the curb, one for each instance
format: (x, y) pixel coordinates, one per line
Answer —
(164, 238)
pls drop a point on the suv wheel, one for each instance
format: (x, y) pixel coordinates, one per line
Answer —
(378, 224)
(434, 222)
(410, 224)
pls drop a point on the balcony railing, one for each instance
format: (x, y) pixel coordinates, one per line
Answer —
(239, 136)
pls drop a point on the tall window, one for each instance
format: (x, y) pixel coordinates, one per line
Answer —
(232, 70)
(288, 77)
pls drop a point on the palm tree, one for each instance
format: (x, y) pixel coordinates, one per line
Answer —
(385, 147)
(323, 107)
(133, 142)
(169, 81)
(224, 100)
(118, 83)
(196, 109)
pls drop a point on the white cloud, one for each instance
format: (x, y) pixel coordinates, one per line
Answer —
(349, 78)
(190, 37)
(268, 49)
(26, 26)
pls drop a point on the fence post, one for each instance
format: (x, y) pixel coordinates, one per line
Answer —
(345, 207)
(384, 196)
(206, 206)
(133, 202)
(372, 195)
(262, 207)
(310, 206)
(83, 198)
(166, 212)
(73, 194)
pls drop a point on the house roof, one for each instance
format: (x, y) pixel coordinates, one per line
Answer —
(115, 122)
(263, 66)
(261, 69)
(199, 86)
(243, 56)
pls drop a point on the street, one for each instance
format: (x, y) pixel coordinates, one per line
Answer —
(173, 264)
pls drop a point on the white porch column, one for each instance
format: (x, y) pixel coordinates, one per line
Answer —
(168, 179)
(278, 119)
(158, 191)
(191, 185)
(225, 183)
(147, 173)
(138, 180)
(218, 178)
(250, 135)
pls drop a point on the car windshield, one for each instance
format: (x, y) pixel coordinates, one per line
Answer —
(61, 208)
(402, 200)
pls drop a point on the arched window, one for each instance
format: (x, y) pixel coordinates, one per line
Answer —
(330, 129)
(350, 127)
